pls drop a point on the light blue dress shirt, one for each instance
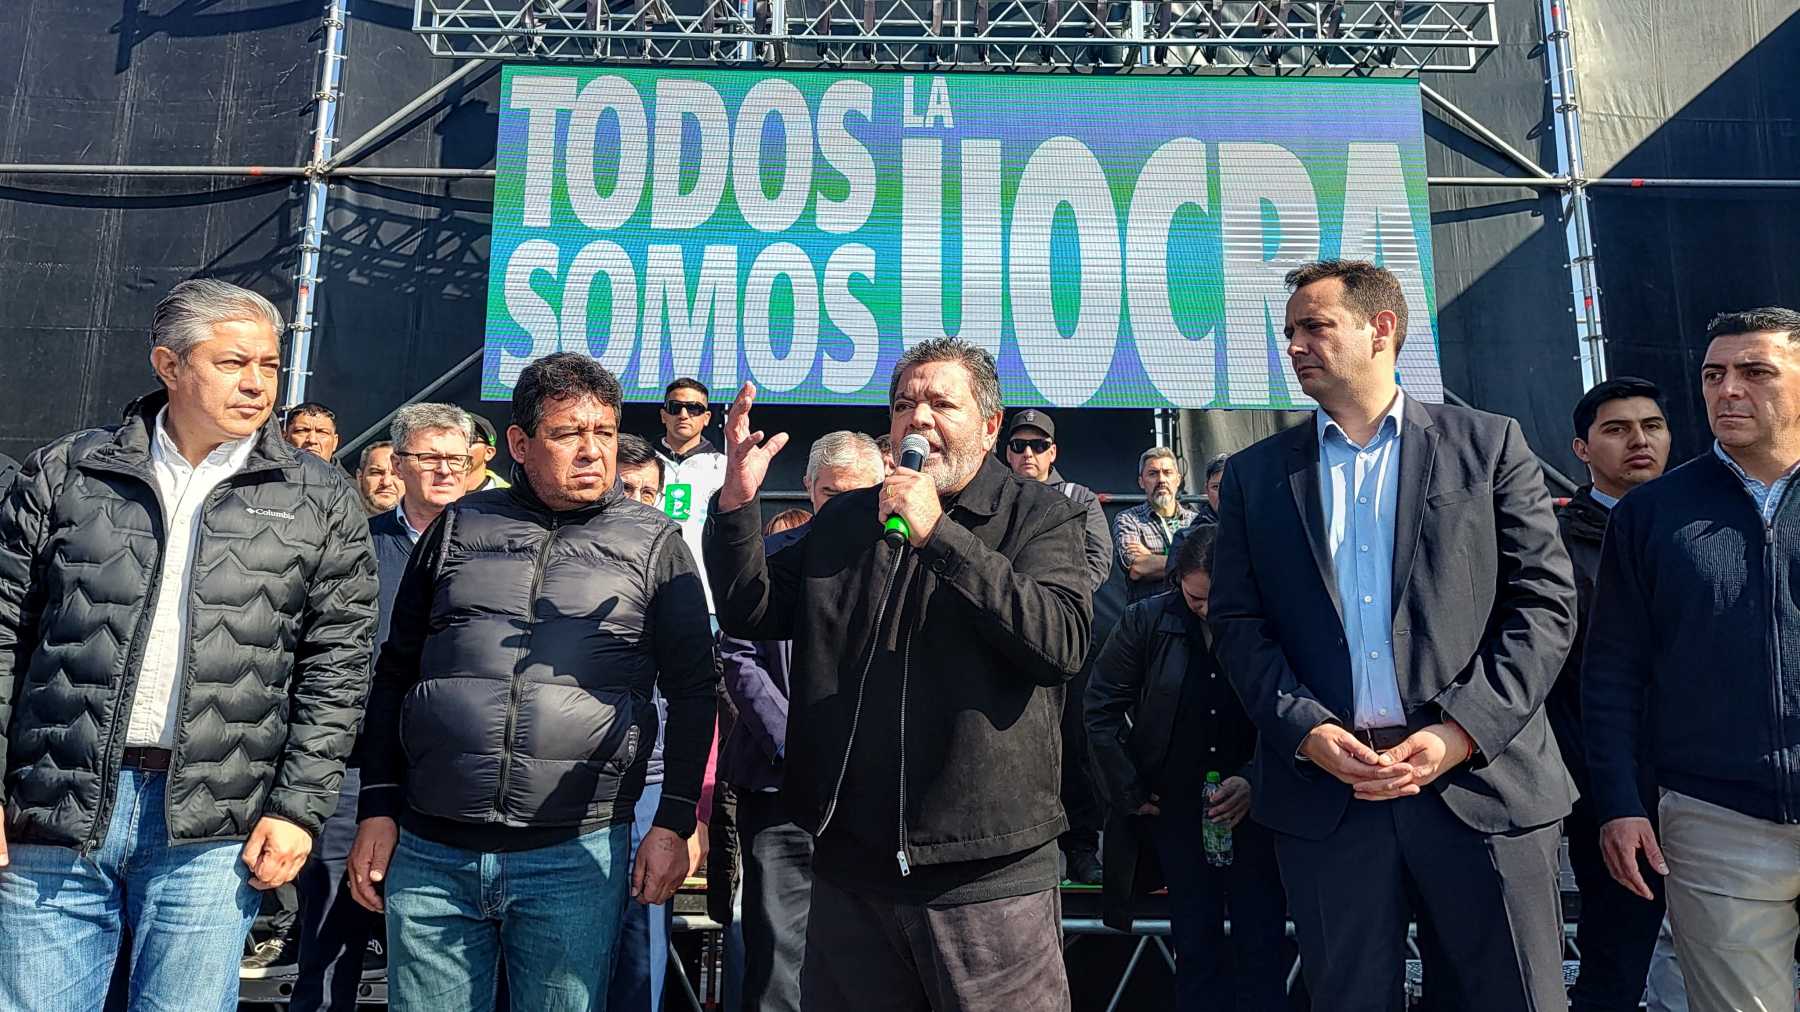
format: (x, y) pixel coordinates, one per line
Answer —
(413, 534)
(1767, 497)
(1357, 488)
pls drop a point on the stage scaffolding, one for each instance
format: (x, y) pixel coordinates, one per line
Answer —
(1323, 37)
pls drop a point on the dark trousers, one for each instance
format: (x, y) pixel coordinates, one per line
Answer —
(1200, 896)
(875, 955)
(1490, 903)
(639, 960)
(278, 914)
(777, 895)
(1617, 930)
(333, 929)
(1080, 791)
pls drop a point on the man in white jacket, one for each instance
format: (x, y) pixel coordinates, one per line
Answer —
(693, 468)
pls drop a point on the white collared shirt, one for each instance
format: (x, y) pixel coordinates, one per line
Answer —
(156, 707)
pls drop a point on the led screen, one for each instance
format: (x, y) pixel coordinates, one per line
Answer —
(1115, 241)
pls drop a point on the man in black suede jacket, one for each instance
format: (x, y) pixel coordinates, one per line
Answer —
(923, 749)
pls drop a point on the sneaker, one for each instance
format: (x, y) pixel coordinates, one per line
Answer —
(273, 957)
(1084, 868)
(374, 960)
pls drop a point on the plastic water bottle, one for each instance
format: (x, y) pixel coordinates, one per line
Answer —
(1216, 835)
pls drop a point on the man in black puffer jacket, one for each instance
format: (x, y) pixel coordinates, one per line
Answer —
(511, 719)
(186, 609)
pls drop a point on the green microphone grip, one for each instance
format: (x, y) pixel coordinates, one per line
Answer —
(895, 532)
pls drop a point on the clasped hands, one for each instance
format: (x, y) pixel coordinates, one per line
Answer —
(1398, 772)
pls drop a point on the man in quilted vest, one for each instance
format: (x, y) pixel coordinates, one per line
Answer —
(511, 723)
(186, 609)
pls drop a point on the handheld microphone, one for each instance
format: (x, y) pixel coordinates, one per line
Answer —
(913, 451)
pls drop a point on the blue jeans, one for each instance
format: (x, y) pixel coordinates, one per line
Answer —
(188, 908)
(643, 963)
(553, 911)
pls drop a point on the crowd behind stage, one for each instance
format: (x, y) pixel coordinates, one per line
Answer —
(474, 730)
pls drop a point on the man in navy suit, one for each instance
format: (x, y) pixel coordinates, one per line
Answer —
(1393, 603)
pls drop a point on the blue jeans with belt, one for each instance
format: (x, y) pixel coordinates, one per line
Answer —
(188, 908)
(554, 912)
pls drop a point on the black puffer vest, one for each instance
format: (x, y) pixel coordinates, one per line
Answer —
(533, 704)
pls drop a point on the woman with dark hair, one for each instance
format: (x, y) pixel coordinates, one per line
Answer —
(1160, 719)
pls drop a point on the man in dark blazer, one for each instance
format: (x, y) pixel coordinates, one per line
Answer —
(1393, 603)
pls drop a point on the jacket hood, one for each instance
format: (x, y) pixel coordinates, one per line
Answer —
(661, 447)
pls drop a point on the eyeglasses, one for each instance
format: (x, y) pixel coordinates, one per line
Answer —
(1034, 445)
(458, 463)
(694, 408)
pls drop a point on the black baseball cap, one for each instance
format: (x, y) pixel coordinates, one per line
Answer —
(1032, 418)
(484, 430)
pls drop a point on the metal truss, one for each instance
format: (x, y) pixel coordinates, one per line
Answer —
(1321, 37)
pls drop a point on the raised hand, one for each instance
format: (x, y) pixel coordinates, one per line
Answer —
(747, 456)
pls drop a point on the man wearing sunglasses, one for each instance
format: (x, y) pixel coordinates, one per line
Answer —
(1030, 449)
(693, 468)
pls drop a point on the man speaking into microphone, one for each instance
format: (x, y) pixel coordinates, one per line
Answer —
(925, 698)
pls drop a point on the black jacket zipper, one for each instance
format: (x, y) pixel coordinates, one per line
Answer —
(112, 758)
(512, 705)
(186, 674)
(1783, 787)
(1781, 781)
(862, 685)
(905, 676)
(1783, 793)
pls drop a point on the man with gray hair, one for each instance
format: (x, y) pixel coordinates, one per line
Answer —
(432, 460)
(1144, 533)
(839, 462)
(186, 604)
(777, 852)
(925, 696)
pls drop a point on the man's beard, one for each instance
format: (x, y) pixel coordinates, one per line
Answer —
(1163, 501)
(951, 471)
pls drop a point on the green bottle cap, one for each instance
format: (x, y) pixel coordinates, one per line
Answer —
(1213, 777)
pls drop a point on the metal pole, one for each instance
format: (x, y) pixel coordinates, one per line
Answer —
(69, 169)
(373, 172)
(318, 195)
(1713, 184)
(380, 129)
(1476, 127)
(1578, 229)
(433, 172)
(1552, 183)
